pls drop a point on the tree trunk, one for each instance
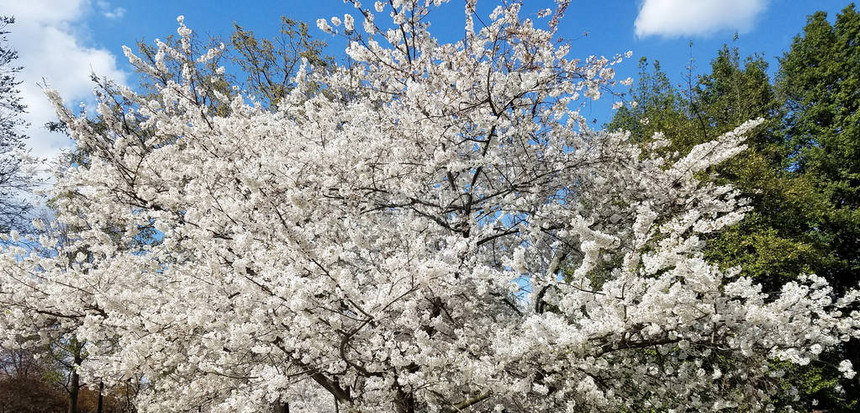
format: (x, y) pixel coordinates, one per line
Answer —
(74, 389)
(405, 402)
(75, 380)
(100, 408)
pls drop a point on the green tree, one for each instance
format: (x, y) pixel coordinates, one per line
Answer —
(820, 80)
(769, 244)
(659, 107)
(774, 243)
(799, 173)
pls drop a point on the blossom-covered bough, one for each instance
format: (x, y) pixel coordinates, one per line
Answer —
(363, 245)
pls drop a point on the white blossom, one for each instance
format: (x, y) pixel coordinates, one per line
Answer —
(348, 23)
(323, 25)
(847, 369)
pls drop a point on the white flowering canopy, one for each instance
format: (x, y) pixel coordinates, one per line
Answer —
(364, 243)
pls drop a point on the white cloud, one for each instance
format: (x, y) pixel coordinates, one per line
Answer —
(114, 14)
(49, 37)
(108, 11)
(672, 18)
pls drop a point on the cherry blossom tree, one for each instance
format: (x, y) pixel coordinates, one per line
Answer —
(433, 229)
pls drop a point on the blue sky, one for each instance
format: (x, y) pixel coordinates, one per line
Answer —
(62, 41)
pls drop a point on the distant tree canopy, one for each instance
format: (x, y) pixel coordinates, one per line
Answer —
(14, 183)
(271, 65)
(819, 78)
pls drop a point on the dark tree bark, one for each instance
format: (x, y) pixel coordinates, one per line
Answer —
(100, 408)
(74, 391)
(74, 387)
